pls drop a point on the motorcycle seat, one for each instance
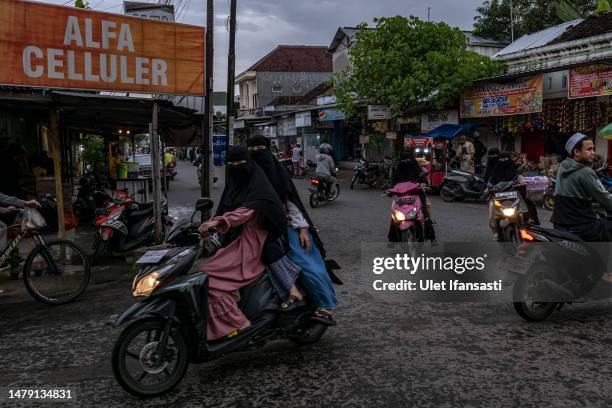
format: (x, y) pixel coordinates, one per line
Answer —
(142, 212)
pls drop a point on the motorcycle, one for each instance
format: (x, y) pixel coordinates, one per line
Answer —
(91, 195)
(166, 329)
(511, 209)
(459, 184)
(367, 173)
(320, 190)
(124, 225)
(286, 162)
(407, 214)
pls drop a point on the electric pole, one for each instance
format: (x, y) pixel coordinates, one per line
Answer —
(231, 73)
(428, 13)
(207, 126)
(511, 22)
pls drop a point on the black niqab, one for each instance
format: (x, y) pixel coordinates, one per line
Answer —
(281, 181)
(248, 187)
(408, 169)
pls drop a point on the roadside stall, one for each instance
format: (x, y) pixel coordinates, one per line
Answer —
(432, 149)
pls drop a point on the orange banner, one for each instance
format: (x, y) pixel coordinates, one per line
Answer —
(65, 47)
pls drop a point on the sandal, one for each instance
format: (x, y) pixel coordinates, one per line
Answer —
(292, 303)
(323, 316)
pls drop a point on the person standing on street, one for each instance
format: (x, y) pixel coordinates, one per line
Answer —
(479, 151)
(296, 160)
(274, 148)
(467, 155)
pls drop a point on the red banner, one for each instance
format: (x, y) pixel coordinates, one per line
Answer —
(590, 80)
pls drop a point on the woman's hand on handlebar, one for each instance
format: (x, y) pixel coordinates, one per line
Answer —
(205, 227)
(32, 203)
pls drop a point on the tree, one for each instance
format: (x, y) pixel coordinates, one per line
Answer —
(93, 151)
(493, 19)
(406, 62)
(81, 4)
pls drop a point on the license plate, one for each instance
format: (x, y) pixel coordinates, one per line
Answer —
(506, 195)
(405, 200)
(152, 257)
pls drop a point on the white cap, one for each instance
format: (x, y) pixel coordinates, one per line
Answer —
(573, 141)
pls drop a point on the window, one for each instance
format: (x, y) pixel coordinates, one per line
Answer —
(255, 101)
(297, 89)
(277, 88)
(549, 82)
(564, 82)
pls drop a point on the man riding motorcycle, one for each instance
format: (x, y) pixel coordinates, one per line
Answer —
(326, 168)
(578, 187)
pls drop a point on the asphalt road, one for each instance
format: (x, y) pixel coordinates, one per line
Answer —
(380, 354)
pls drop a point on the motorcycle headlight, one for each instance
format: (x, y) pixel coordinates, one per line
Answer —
(146, 285)
(411, 214)
(509, 212)
(399, 216)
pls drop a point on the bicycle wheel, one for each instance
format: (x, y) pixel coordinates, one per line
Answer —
(57, 272)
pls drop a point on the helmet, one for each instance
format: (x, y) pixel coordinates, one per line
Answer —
(326, 148)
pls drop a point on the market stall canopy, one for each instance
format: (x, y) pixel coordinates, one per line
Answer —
(448, 131)
(606, 132)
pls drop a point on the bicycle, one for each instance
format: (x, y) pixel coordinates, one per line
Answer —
(56, 271)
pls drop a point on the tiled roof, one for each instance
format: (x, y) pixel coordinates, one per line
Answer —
(295, 58)
(591, 26)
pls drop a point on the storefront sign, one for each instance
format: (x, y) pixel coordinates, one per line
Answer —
(219, 149)
(379, 112)
(239, 124)
(330, 114)
(303, 119)
(590, 80)
(364, 139)
(431, 120)
(503, 99)
(286, 127)
(51, 46)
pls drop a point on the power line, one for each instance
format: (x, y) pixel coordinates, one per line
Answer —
(98, 4)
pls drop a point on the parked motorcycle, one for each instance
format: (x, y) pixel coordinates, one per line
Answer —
(368, 173)
(459, 184)
(124, 225)
(166, 329)
(321, 190)
(407, 214)
(92, 194)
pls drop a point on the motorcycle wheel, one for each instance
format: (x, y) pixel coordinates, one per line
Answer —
(549, 201)
(334, 193)
(408, 241)
(372, 181)
(170, 370)
(313, 200)
(447, 192)
(100, 249)
(529, 310)
(308, 334)
(353, 181)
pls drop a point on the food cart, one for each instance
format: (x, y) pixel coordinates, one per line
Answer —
(431, 150)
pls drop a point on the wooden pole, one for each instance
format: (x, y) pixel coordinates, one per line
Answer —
(54, 144)
(206, 143)
(155, 159)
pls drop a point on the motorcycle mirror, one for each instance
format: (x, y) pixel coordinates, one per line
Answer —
(204, 203)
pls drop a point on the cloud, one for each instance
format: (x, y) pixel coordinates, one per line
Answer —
(264, 24)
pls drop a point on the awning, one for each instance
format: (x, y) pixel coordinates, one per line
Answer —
(447, 131)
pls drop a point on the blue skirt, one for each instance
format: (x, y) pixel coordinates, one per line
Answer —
(314, 277)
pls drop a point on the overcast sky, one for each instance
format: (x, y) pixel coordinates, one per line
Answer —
(263, 24)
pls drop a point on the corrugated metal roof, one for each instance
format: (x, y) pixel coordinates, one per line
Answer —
(476, 40)
(537, 39)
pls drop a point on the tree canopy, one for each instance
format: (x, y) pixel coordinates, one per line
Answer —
(493, 19)
(406, 62)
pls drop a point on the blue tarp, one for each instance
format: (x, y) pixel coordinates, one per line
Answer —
(447, 131)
